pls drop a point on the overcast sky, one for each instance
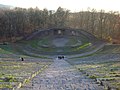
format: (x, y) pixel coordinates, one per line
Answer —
(72, 5)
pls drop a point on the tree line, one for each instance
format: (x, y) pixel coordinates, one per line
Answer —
(20, 22)
(101, 24)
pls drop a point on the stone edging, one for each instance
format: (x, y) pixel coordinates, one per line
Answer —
(29, 78)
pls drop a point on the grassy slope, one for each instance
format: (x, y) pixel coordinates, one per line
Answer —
(6, 49)
(14, 72)
(38, 45)
(105, 69)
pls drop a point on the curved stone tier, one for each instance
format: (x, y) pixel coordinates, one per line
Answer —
(60, 41)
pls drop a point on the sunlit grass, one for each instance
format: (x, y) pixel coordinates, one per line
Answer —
(82, 46)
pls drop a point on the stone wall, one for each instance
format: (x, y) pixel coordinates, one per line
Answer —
(59, 32)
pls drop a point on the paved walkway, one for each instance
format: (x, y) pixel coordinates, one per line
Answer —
(61, 76)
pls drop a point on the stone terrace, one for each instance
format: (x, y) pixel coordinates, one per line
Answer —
(61, 76)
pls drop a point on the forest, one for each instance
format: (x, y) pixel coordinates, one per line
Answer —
(18, 23)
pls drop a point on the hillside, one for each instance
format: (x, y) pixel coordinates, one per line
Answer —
(91, 59)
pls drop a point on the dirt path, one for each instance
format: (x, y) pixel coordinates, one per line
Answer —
(61, 76)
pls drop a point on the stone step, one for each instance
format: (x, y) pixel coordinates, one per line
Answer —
(61, 76)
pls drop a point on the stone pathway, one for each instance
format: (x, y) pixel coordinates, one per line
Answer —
(61, 76)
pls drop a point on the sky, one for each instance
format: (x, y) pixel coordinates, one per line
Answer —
(72, 5)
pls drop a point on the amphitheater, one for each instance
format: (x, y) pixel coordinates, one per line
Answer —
(59, 41)
(88, 64)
